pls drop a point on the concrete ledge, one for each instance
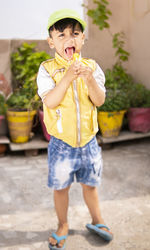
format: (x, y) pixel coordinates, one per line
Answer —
(38, 142)
(35, 143)
(124, 136)
(4, 140)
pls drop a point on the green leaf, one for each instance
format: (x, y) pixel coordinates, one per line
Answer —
(100, 14)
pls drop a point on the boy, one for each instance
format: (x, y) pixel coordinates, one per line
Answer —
(71, 87)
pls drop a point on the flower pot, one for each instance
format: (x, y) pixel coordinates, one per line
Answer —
(110, 123)
(3, 125)
(139, 119)
(46, 135)
(2, 117)
(3, 149)
(20, 125)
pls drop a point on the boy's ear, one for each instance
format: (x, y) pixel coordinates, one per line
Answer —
(50, 42)
(83, 38)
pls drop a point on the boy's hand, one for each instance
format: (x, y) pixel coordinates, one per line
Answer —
(86, 73)
(96, 95)
(73, 71)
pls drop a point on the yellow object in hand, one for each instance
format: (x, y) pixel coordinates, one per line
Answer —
(76, 56)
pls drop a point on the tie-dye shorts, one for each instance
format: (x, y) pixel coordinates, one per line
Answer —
(66, 162)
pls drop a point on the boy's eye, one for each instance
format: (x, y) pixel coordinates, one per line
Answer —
(76, 33)
(61, 35)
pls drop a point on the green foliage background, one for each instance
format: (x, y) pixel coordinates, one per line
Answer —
(122, 91)
(2, 105)
(24, 65)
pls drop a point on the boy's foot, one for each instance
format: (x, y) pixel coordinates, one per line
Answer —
(102, 230)
(62, 231)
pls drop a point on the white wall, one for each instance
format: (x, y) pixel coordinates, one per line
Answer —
(27, 19)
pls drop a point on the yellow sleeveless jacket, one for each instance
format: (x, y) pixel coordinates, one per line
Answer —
(74, 120)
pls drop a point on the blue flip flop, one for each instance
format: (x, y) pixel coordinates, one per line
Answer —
(58, 238)
(97, 229)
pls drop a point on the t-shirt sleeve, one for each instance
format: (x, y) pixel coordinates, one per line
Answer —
(44, 81)
(99, 77)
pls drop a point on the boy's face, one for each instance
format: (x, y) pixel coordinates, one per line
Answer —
(67, 42)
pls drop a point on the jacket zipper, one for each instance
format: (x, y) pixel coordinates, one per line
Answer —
(78, 113)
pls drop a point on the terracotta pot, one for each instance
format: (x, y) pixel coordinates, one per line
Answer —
(3, 149)
(139, 119)
(46, 135)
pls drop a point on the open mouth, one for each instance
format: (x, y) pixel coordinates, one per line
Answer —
(70, 51)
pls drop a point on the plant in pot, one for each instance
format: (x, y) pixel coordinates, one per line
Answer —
(118, 82)
(5, 91)
(22, 105)
(110, 114)
(139, 112)
(2, 108)
(3, 146)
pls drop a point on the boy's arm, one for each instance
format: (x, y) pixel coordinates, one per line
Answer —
(53, 98)
(96, 89)
(50, 93)
(96, 94)
(44, 82)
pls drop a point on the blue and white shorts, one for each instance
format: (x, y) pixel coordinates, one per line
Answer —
(66, 162)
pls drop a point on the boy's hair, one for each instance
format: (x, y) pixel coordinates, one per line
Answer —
(63, 24)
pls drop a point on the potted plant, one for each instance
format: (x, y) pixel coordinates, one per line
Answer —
(24, 102)
(2, 108)
(119, 91)
(139, 112)
(3, 146)
(5, 91)
(110, 114)
(118, 82)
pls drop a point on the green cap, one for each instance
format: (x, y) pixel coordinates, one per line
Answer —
(65, 13)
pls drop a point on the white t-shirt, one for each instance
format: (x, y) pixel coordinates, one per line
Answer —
(46, 83)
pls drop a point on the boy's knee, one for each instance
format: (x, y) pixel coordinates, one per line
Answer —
(59, 191)
(87, 187)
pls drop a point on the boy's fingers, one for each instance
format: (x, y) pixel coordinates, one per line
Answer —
(82, 71)
(77, 64)
(77, 72)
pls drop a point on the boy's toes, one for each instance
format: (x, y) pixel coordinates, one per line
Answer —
(58, 239)
(61, 243)
(52, 241)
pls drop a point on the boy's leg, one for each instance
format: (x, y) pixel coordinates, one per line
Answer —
(61, 200)
(90, 195)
